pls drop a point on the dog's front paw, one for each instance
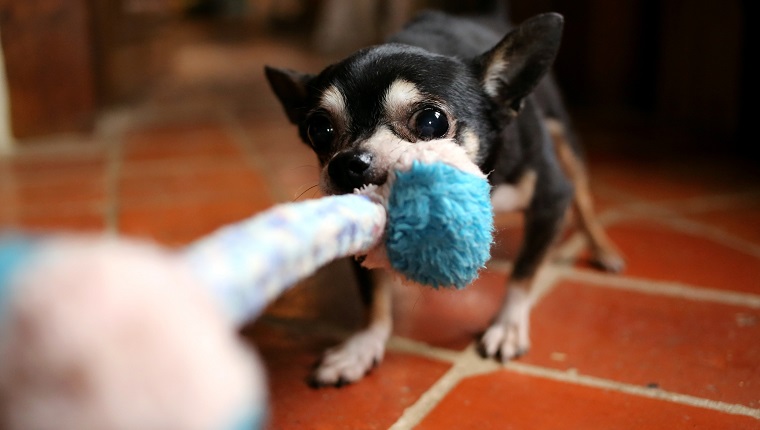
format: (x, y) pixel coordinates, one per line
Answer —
(508, 337)
(352, 359)
(505, 341)
(608, 260)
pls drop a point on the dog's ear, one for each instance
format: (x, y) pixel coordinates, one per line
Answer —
(513, 68)
(290, 87)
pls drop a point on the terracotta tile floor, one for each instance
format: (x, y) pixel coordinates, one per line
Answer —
(674, 342)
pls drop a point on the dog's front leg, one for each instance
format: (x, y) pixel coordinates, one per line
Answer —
(508, 336)
(352, 359)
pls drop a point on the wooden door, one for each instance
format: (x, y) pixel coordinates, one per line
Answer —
(49, 66)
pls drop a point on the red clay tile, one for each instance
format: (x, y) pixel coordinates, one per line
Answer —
(375, 402)
(57, 190)
(276, 137)
(83, 219)
(61, 190)
(182, 180)
(179, 221)
(50, 164)
(49, 181)
(181, 141)
(330, 296)
(605, 199)
(448, 318)
(699, 348)
(443, 318)
(657, 179)
(506, 400)
(508, 235)
(742, 221)
(292, 165)
(509, 227)
(655, 251)
(297, 183)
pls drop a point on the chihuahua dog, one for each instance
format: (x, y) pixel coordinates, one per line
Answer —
(447, 77)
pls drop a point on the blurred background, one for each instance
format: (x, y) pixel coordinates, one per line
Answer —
(152, 118)
(672, 63)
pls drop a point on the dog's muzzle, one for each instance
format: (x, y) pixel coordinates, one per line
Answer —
(354, 169)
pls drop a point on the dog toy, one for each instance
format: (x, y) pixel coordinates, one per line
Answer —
(113, 333)
(431, 223)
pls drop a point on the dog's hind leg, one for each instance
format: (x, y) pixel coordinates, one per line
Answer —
(363, 350)
(604, 254)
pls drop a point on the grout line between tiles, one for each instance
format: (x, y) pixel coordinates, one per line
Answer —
(7, 185)
(621, 197)
(244, 139)
(573, 246)
(171, 165)
(468, 363)
(113, 171)
(652, 393)
(670, 214)
(688, 205)
(410, 346)
(670, 289)
(698, 229)
(710, 203)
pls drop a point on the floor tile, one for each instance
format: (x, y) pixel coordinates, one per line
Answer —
(443, 318)
(508, 236)
(78, 219)
(657, 179)
(374, 403)
(505, 400)
(54, 162)
(180, 180)
(54, 181)
(180, 141)
(189, 172)
(448, 318)
(292, 166)
(180, 221)
(655, 251)
(50, 192)
(330, 296)
(698, 348)
(742, 221)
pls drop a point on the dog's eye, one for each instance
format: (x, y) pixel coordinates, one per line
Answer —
(320, 131)
(431, 123)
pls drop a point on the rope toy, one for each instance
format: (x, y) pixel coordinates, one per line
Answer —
(114, 333)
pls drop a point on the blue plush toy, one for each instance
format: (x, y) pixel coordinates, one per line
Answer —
(100, 332)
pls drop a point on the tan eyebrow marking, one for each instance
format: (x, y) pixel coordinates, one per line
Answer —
(334, 102)
(401, 94)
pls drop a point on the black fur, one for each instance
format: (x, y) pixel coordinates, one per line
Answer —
(495, 87)
(447, 57)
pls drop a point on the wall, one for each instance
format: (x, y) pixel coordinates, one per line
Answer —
(6, 137)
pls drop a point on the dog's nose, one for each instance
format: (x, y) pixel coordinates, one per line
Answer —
(350, 170)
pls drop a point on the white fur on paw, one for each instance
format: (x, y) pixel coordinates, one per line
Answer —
(609, 261)
(509, 337)
(352, 359)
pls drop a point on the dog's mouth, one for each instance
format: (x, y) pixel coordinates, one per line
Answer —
(367, 162)
(336, 179)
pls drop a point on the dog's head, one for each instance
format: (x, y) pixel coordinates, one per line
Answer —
(359, 114)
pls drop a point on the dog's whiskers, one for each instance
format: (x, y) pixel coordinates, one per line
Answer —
(303, 166)
(419, 296)
(306, 191)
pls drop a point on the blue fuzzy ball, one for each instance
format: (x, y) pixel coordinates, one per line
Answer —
(440, 225)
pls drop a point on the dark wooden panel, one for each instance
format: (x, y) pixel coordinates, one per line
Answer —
(48, 63)
(700, 64)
